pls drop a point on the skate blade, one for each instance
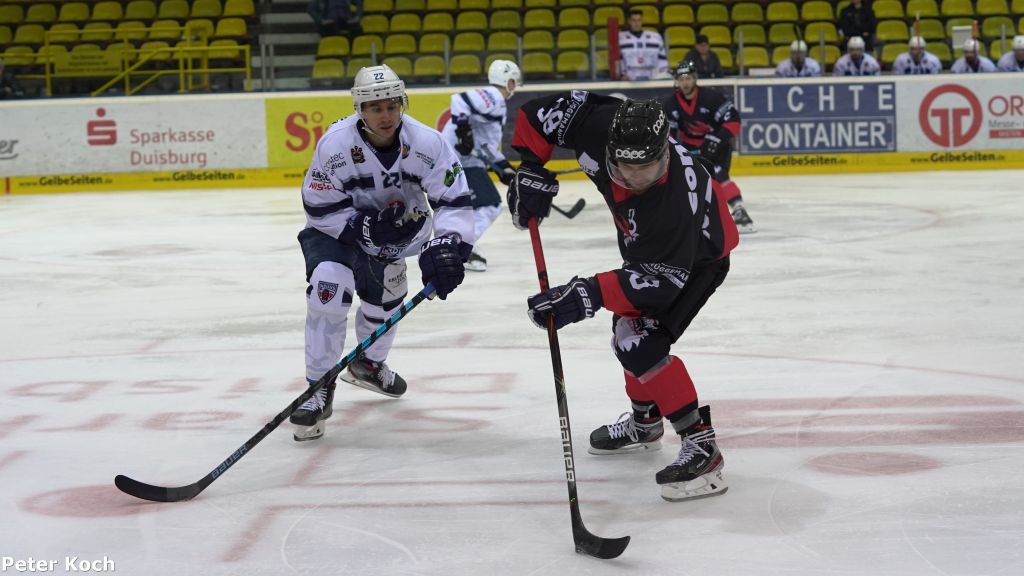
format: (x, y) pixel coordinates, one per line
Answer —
(357, 382)
(746, 228)
(307, 433)
(476, 267)
(710, 484)
(632, 449)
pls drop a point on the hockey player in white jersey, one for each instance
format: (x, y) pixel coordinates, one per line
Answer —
(642, 51)
(972, 62)
(474, 130)
(856, 62)
(1013, 61)
(917, 60)
(374, 179)
(798, 65)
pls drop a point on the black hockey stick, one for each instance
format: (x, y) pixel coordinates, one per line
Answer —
(485, 154)
(571, 212)
(586, 543)
(177, 494)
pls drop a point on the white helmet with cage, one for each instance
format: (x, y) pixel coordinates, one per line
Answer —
(855, 43)
(501, 71)
(916, 42)
(374, 83)
(971, 45)
(1018, 42)
(798, 46)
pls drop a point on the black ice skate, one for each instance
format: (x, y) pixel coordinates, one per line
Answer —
(697, 471)
(476, 263)
(626, 435)
(309, 418)
(375, 376)
(739, 215)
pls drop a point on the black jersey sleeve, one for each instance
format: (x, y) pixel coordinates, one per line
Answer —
(561, 120)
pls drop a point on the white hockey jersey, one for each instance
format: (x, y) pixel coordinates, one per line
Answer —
(867, 66)
(643, 56)
(345, 176)
(485, 110)
(962, 67)
(1009, 63)
(786, 69)
(905, 64)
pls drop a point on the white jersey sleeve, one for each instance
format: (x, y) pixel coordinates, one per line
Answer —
(962, 67)
(1008, 63)
(846, 66)
(644, 56)
(810, 69)
(485, 109)
(905, 64)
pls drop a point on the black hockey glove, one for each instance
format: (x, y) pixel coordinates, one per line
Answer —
(385, 233)
(530, 194)
(716, 146)
(465, 143)
(504, 171)
(441, 263)
(568, 303)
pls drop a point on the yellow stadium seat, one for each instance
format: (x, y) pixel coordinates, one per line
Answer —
(140, 10)
(930, 29)
(1017, 7)
(206, 9)
(19, 56)
(601, 61)
(74, 12)
(11, 14)
(942, 52)
(887, 9)
(333, 47)
(676, 55)
(1020, 25)
(472, 20)
(155, 51)
(51, 53)
(780, 54)
(995, 49)
(817, 10)
(130, 30)
(574, 18)
(950, 8)
(498, 56)
(436, 22)
(725, 56)
(828, 57)
(962, 21)
(200, 28)
(468, 42)
(506, 20)
(63, 32)
(239, 9)
(678, 14)
(712, 13)
(573, 38)
(231, 28)
(783, 12)
(439, 6)
(601, 37)
(539, 18)
(367, 44)
(465, 65)
(400, 44)
(374, 24)
(604, 13)
(400, 64)
(538, 40)
(993, 8)
(890, 52)
(107, 11)
(573, 63)
(29, 34)
(650, 16)
(541, 3)
(165, 30)
(502, 41)
(747, 12)
(924, 8)
(224, 50)
(41, 14)
(718, 34)
(569, 3)
(814, 32)
(410, 5)
(328, 69)
(680, 36)
(509, 4)
(97, 32)
(85, 49)
(5, 35)
(428, 67)
(997, 27)
(892, 31)
(354, 65)
(173, 9)
(377, 6)
(752, 34)
(433, 43)
(406, 23)
(538, 63)
(755, 57)
(474, 5)
(781, 33)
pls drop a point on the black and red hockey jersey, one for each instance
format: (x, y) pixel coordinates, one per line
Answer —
(709, 112)
(678, 225)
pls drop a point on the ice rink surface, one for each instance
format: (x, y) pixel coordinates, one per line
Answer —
(863, 362)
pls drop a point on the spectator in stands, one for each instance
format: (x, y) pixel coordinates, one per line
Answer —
(972, 62)
(1013, 61)
(707, 63)
(334, 17)
(643, 55)
(917, 60)
(855, 62)
(858, 19)
(799, 65)
(9, 87)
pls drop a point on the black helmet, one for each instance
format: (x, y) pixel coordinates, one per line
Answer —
(639, 133)
(686, 68)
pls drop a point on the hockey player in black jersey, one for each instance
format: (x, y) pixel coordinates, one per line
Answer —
(706, 120)
(674, 234)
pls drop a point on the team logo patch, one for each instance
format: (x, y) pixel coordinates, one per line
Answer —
(405, 150)
(357, 155)
(326, 291)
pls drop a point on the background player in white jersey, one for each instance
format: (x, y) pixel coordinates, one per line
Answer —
(798, 65)
(972, 62)
(856, 62)
(474, 130)
(917, 60)
(374, 178)
(642, 51)
(1013, 61)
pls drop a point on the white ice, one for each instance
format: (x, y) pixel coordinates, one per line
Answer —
(863, 362)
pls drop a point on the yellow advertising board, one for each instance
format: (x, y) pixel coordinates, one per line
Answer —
(295, 125)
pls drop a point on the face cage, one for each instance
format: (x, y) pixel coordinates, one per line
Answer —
(616, 174)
